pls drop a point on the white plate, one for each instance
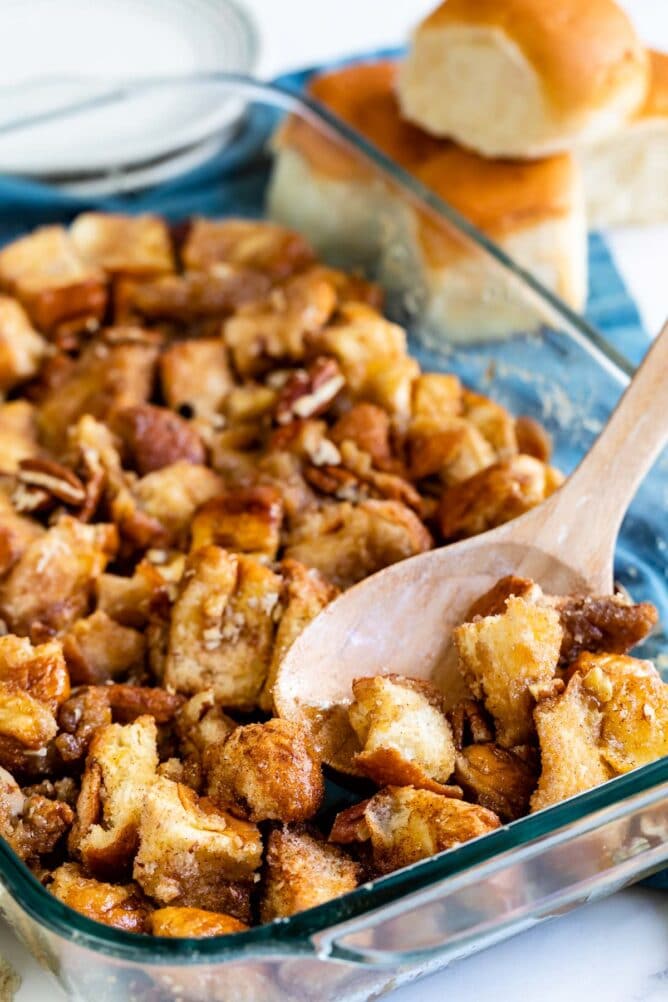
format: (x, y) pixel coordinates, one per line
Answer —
(48, 46)
(101, 185)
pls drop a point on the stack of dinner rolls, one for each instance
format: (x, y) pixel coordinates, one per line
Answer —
(531, 119)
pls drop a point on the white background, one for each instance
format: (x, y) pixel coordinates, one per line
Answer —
(617, 949)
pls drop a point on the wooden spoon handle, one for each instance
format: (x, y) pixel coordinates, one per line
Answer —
(583, 518)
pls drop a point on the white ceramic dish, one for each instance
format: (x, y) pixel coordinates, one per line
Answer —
(55, 54)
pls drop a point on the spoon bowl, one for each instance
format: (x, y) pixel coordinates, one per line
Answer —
(400, 620)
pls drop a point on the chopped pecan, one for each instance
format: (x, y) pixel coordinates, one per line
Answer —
(79, 718)
(309, 392)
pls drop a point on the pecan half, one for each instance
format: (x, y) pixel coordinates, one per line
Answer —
(41, 480)
(309, 392)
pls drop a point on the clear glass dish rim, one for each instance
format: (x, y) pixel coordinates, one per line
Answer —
(294, 935)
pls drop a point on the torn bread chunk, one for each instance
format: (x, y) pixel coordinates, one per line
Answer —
(192, 854)
(157, 510)
(98, 649)
(611, 718)
(403, 732)
(222, 627)
(104, 377)
(265, 772)
(18, 434)
(503, 656)
(16, 533)
(50, 586)
(304, 595)
(348, 542)
(302, 871)
(196, 375)
(405, 825)
(193, 923)
(51, 280)
(39, 670)
(201, 723)
(33, 684)
(193, 301)
(246, 520)
(495, 495)
(127, 600)
(128, 245)
(373, 357)
(121, 906)
(262, 246)
(21, 347)
(280, 327)
(496, 778)
(120, 768)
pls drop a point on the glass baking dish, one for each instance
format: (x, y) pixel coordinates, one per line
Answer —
(554, 367)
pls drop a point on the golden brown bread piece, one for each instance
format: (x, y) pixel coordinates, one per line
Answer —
(262, 246)
(193, 922)
(265, 772)
(120, 769)
(302, 871)
(304, 595)
(404, 735)
(405, 825)
(347, 543)
(52, 582)
(193, 300)
(222, 627)
(196, 374)
(128, 245)
(502, 656)
(122, 906)
(104, 377)
(98, 649)
(157, 510)
(245, 520)
(495, 495)
(18, 434)
(368, 426)
(16, 533)
(612, 717)
(373, 357)
(39, 670)
(279, 327)
(51, 280)
(200, 723)
(21, 347)
(193, 854)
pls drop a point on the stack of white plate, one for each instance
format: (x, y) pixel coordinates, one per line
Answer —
(80, 59)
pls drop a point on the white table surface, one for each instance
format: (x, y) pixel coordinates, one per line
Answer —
(616, 949)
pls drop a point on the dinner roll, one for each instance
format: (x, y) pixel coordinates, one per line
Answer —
(533, 210)
(626, 175)
(523, 78)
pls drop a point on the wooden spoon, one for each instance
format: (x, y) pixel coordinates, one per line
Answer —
(401, 619)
